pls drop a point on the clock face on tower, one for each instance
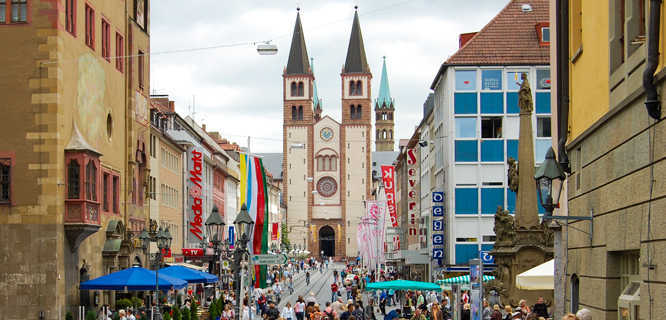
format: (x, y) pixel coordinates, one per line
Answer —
(326, 187)
(326, 134)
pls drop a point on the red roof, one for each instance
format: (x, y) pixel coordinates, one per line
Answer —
(509, 38)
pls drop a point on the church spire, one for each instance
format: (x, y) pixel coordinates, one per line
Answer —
(384, 99)
(298, 62)
(316, 102)
(356, 61)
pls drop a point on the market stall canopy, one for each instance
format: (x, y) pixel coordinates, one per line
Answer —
(403, 285)
(189, 275)
(133, 279)
(189, 265)
(462, 279)
(537, 278)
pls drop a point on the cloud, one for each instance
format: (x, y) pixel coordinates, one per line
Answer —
(239, 92)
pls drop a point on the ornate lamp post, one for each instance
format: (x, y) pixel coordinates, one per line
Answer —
(163, 238)
(243, 224)
(215, 230)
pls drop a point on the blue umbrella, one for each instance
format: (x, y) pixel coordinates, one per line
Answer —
(133, 279)
(189, 275)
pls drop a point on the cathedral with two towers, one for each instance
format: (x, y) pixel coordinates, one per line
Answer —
(327, 165)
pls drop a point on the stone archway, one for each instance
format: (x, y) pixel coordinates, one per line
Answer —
(327, 241)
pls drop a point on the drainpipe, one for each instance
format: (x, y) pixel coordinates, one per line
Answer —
(652, 103)
(562, 52)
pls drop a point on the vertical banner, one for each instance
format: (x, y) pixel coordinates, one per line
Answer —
(232, 236)
(195, 199)
(388, 177)
(374, 220)
(274, 231)
(412, 197)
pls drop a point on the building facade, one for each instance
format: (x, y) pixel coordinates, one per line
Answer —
(611, 138)
(326, 163)
(475, 123)
(73, 154)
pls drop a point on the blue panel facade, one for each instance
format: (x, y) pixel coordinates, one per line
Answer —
(512, 149)
(542, 103)
(492, 150)
(492, 102)
(491, 198)
(510, 201)
(466, 252)
(491, 79)
(467, 201)
(512, 102)
(466, 151)
(541, 146)
(465, 103)
(465, 79)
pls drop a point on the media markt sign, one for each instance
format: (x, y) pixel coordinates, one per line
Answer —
(268, 259)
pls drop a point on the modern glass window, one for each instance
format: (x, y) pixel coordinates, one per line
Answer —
(510, 201)
(543, 78)
(492, 150)
(465, 127)
(545, 34)
(492, 102)
(5, 180)
(491, 79)
(541, 146)
(466, 252)
(466, 151)
(542, 102)
(512, 103)
(491, 198)
(491, 127)
(513, 80)
(543, 127)
(465, 103)
(467, 200)
(465, 79)
(512, 149)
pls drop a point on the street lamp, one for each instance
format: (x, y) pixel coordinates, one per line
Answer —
(243, 224)
(163, 238)
(215, 229)
(549, 177)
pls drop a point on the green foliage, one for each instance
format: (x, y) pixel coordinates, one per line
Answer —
(69, 316)
(186, 314)
(179, 299)
(194, 309)
(176, 313)
(116, 316)
(285, 236)
(136, 302)
(91, 315)
(123, 304)
(212, 312)
(166, 316)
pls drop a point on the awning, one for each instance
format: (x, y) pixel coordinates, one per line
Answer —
(402, 285)
(188, 265)
(463, 279)
(537, 278)
(133, 279)
(189, 275)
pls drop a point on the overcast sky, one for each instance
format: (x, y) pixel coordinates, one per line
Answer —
(239, 92)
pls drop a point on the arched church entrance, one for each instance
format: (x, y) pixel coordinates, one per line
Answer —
(327, 241)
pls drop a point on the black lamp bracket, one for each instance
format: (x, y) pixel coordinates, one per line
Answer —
(579, 218)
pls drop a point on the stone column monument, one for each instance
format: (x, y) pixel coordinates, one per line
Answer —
(522, 242)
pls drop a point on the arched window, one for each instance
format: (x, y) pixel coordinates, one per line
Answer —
(294, 89)
(359, 88)
(378, 116)
(320, 164)
(358, 112)
(378, 134)
(294, 113)
(73, 180)
(390, 115)
(300, 112)
(352, 88)
(383, 134)
(352, 112)
(334, 163)
(301, 89)
(575, 299)
(91, 181)
(390, 134)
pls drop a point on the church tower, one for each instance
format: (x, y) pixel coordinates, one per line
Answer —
(356, 132)
(298, 118)
(384, 124)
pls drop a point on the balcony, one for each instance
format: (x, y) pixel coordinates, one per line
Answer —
(81, 220)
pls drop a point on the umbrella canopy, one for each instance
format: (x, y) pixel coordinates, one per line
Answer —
(537, 278)
(189, 275)
(133, 279)
(402, 285)
(463, 279)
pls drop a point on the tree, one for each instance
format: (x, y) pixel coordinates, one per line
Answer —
(285, 236)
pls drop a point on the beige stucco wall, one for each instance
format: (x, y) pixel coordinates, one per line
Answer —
(297, 201)
(356, 181)
(327, 207)
(170, 213)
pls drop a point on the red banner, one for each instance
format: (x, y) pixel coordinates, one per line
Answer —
(388, 177)
(166, 253)
(194, 252)
(274, 233)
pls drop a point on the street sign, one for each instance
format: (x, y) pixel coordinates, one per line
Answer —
(193, 252)
(267, 259)
(437, 225)
(437, 253)
(486, 257)
(225, 265)
(437, 211)
(438, 197)
(437, 239)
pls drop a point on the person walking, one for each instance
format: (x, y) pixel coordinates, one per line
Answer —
(540, 308)
(307, 277)
(272, 313)
(334, 291)
(299, 308)
(382, 302)
(369, 311)
(287, 312)
(391, 297)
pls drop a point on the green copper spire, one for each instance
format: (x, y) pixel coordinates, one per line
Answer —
(316, 102)
(384, 99)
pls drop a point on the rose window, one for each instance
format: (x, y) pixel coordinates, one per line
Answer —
(327, 187)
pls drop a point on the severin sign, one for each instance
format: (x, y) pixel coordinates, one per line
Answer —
(411, 190)
(195, 185)
(388, 177)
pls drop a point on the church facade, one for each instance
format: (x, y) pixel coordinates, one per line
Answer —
(327, 163)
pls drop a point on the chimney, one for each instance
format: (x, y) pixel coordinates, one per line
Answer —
(465, 37)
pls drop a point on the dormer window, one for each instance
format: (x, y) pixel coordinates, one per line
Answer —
(543, 33)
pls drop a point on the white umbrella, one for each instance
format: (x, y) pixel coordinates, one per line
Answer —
(537, 278)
